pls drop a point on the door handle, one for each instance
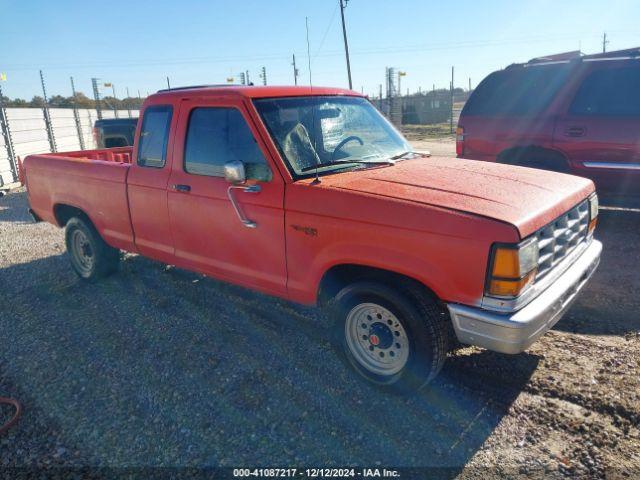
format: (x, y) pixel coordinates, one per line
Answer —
(181, 188)
(236, 206)
(575, 131)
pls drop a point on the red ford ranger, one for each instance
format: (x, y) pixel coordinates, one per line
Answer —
(313, 196)
(568, 113)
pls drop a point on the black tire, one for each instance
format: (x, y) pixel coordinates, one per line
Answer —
(548, 163)
(91, 258)
(537, 158)
(422, 319)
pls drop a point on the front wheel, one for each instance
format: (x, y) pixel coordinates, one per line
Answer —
(395, 338)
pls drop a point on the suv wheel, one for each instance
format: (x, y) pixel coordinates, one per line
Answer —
(394, 339)
(91, 258)
(536, 158)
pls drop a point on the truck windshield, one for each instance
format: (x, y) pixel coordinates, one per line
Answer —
(329, 131)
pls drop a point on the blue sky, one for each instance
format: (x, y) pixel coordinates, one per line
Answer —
(136, 44)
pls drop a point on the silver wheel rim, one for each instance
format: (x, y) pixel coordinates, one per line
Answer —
(82, 251)
(376, 339)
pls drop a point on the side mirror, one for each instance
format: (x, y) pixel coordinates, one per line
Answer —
(234, 172)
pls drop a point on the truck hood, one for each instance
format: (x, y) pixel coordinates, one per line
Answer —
(524, 197)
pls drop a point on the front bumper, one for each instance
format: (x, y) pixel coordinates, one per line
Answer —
(515, 332)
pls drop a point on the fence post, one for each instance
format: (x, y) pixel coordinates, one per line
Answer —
(451, 119)
(47, 117)
(91, 128)
(8, 143)
(76, 116)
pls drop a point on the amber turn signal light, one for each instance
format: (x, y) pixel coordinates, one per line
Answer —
(510, 288)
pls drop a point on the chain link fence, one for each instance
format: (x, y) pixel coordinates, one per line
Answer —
(28, 133)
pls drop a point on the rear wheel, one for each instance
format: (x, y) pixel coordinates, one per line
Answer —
(91, 258)
(396, 339)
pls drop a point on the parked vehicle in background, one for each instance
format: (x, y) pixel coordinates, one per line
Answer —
(567, 112)
(310, 194)
(114, 132)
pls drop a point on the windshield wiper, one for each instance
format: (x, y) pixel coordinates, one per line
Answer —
(400, 155)
(343, 162)
(404, 154)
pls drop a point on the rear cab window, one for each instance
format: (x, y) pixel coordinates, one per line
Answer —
(154, 136)
(517, 91)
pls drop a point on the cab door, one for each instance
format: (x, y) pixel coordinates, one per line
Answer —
(600, 133)
(231, 232)
(147, 183)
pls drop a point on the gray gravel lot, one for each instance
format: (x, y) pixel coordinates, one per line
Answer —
(156, 366)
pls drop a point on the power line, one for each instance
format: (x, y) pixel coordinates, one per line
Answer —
(278, 56)
(324, 36)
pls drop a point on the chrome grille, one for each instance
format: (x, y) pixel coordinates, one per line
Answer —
(561, 237)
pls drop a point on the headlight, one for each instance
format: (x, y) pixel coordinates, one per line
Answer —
(512, 268)
(593, 212)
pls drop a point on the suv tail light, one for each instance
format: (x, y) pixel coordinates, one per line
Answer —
(459, 141)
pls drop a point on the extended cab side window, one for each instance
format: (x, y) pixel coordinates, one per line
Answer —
(216, 136)
(609, 92)
(154, 136)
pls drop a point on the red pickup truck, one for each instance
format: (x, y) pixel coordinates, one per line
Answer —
(310, 194)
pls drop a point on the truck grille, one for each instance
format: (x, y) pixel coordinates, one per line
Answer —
(561, 237)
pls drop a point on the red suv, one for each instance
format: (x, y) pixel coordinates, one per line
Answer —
(568, 112)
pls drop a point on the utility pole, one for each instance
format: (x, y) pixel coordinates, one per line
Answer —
(451, 121)
(343, 4)
(400, 75)
(295, 70)
(47, 116)
(76, 115)
(128, 103)
(263, 75)
(96, 97)
(115, 107)
(604, 42)
(469, 84)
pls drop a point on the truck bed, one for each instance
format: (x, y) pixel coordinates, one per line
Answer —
(92, 180)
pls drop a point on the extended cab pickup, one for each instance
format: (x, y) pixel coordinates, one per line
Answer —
(313, 196)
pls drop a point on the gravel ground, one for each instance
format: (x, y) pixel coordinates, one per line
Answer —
(156, 366)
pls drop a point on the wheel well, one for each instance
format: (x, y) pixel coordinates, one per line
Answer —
(340, 275)
(533, 155)
(64, 213)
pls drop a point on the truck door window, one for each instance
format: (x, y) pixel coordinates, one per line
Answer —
(216, 136)
(154, 135)
(609, 92)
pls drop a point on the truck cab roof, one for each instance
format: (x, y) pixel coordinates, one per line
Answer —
(251, 91)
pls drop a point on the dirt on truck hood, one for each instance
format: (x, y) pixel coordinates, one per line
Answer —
(524, 197)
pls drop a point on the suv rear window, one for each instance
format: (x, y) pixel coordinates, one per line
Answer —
(609, 92)
(517, 91)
